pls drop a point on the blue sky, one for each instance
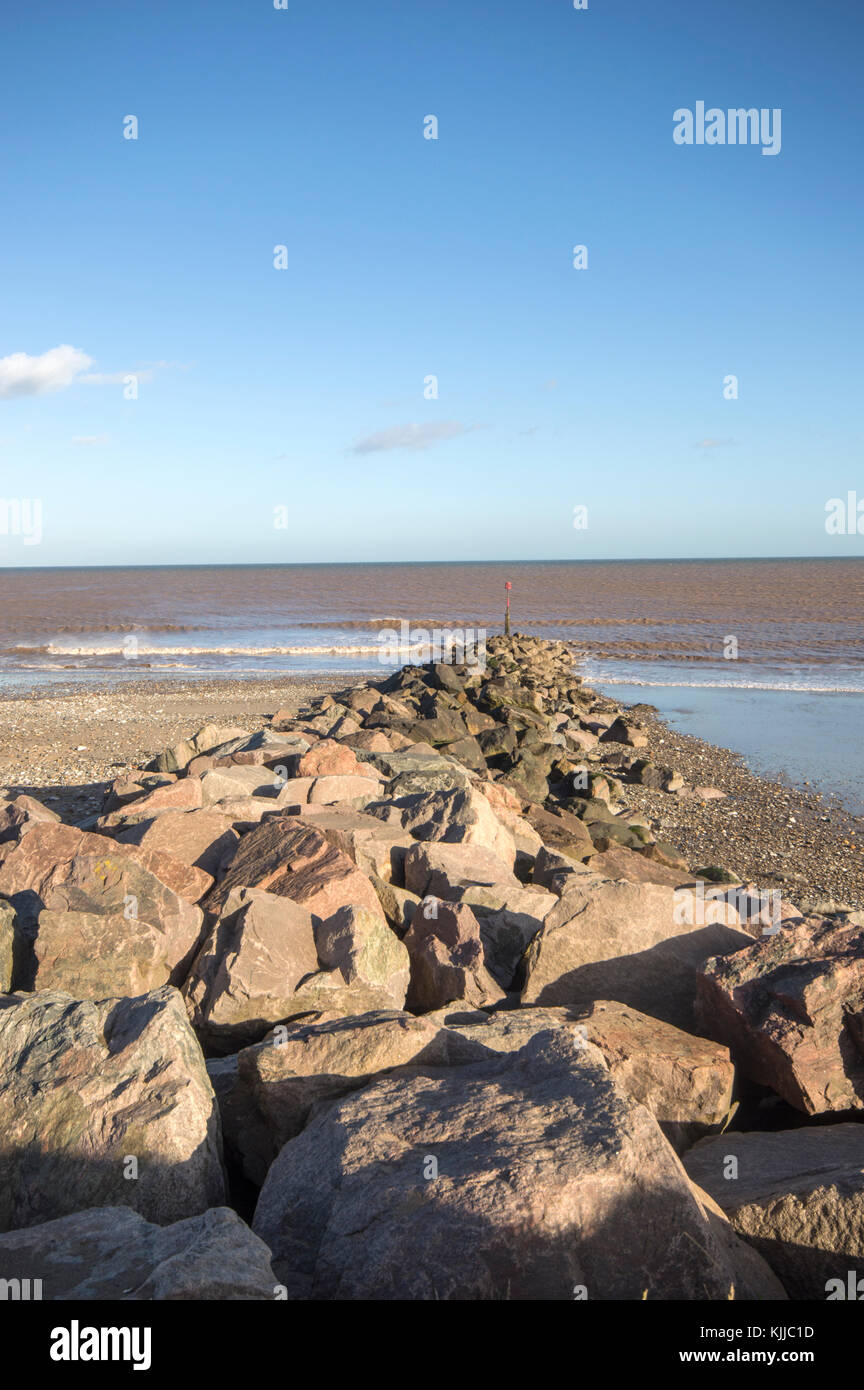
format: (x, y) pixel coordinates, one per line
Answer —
(303, 388)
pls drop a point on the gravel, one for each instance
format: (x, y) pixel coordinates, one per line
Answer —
(769, 833)
(64, 746)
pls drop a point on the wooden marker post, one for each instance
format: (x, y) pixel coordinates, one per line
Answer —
(507, 587)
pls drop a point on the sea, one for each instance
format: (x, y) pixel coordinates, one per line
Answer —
(762, 656)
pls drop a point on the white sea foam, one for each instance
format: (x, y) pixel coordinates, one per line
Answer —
(801, 687)
(55, 650)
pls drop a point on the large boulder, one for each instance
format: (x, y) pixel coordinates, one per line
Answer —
(224, 783)
(326, 995)
(329, 759)
(459, 816)
(446, 728)
(418, 770)
(528, 774)
(374, 847)
(19, 815)
(555, 872)
(94, 954)
(447, 958)
(797, 1196)
(524, 1176)
(202, 839)
(186, 880)
(685, 1082)
(288, 857)
(368, 741)
(210, 736)
(132, 787)
(656, 777)
(509, 920)
(428, 775)
(113, 1254)
(366, 951)
(620, 862)
(790, 1008)
(344, 726)
(398, 904)
(126, 929)
(469, 752)
(245, 976)
(498, 742)
(625, 731)
(104, 1103)
(244, 813)
(528, 842)
(268, 1095)
(360, 698)
(182, 795)
(264, 749)
(503, 693)
(610, 939)
(760, 913)
(563, 832)
(443, 869)
(352, 789)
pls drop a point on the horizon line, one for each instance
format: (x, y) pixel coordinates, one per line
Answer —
(395, 564)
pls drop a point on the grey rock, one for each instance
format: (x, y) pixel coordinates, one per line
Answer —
(86, 1087)
(522, 1177)
(797, 1196)
(626, 941)
(112, 1253)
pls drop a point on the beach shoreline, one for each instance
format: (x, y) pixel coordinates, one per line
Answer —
(65, 744)
(768, 831)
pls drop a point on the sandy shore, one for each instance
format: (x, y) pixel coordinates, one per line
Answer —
(64, 745)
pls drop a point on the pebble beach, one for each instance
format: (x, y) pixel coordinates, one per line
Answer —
(66, 744)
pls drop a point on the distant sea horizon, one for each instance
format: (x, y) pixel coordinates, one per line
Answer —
(763, 655)
(383, 564)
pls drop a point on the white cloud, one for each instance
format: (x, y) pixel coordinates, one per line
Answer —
(90, 439)
(54, 370)
(412, 436)
(714, 444)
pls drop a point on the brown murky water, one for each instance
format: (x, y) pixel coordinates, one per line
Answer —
(782, 613)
